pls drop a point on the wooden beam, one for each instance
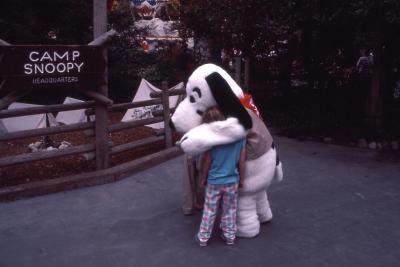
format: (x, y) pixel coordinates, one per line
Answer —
(130, 105)
(92, 155)
(101, 97)
(87, 179)
(131, 124)
(8, 113)
(103, 38)
(2, 42)
(41, 155)
(46, 131)
(11, 97)
(159, 132)
(99, 17)
(157, 113)
(135, 144)
(166, 115)
(124, 106)
(120, 126)
(127, 146)
(98, 97)
(102, 135)
(170, 93)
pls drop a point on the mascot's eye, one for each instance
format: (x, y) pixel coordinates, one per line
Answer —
(197, 90)
(192, 98)
(200, 112)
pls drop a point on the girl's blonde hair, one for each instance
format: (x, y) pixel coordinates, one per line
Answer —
(213, 114)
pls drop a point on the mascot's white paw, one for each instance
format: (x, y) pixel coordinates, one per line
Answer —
(205, 136)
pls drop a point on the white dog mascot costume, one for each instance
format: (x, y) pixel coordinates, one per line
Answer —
(208, 86)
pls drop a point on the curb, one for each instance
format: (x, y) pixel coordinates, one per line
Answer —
(87, 179)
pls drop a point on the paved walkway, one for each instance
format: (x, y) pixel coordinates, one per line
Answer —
(337, 206)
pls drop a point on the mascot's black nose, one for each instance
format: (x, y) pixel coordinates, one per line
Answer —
(171, 125)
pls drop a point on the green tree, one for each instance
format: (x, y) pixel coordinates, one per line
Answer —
(326, 25)
(315, 30)
(128, 63)
(226, 24)
(378, 24)
(29, 22)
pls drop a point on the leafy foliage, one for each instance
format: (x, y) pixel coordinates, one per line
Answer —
(321, 38)
(29, 22)
(128, 63)
(253, 24)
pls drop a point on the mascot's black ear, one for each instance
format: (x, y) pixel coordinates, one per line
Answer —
(227, 100)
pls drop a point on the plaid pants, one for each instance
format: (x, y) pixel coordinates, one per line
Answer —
(214, 193)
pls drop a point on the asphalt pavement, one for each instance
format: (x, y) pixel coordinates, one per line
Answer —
(337, 206)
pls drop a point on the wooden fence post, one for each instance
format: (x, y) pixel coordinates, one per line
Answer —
(101, 120)
(166, 109)
(99, 17)
(101, 130)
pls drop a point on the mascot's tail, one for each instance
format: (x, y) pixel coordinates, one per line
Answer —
(278, 168)
(279, 171)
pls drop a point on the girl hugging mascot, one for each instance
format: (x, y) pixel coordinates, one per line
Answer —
(208, 86)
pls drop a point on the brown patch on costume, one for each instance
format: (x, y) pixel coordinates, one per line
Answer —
(259, 140)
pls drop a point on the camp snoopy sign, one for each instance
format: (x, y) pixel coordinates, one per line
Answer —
(52, 66)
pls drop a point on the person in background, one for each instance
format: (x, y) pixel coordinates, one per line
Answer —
(363, 84)
(364, 62)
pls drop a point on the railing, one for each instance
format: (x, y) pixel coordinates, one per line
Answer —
(89, 129)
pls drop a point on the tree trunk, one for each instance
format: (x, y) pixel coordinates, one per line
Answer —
(374, 101)
(374, 105)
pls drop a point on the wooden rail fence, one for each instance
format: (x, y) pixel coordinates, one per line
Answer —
(90, 129)
(89, 150)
